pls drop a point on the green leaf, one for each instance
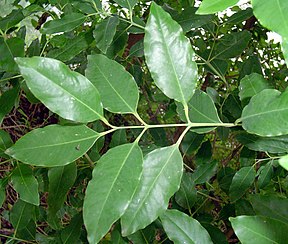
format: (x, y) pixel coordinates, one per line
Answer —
(71, 233)
(265, 175)
(271, 206)
(25, 184)
(201, 110)
(251, 85)
(283, 161)
(11, 20)
(119, 137)
(214, 6)
(126, 3)
(204, 172)
(161, 177)
(272, 15)
(274, 144)
(2, 192)
(12, 47)
(118, 89)
(266, 108)
(58, 88)
(7, 101)
(241, 182)
(65, 24)
(61, 179)
(240, 16)
(259, 229)
(187, 194)
(71, 49)
(191, 142)
(104, 32)
(21, 214)
(232, 45)
(169, 56)
(284, 46)
(5, 142)
(180, 228)
(111, 189)
(53, 145)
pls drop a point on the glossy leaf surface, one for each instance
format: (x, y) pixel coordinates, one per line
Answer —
(67, 93)
(181, 228)
(26, 184)
(161, 177)
(241, 182)
(259, 229)
(53, 145)
(110, 191)
(267, 108)
(104, 32)
(169, 56)
(118, 89)
(213, 6)
(65, 24)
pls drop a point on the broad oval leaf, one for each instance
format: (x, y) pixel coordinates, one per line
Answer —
(241, 182)
(180, 228)
(272, 15)
(65, 24)
(118, 89)
(259, 229)
(169, 56)
(65, 92)
(53, 145)
(161, 177)
(214, 6)
(111, 189)
(26, 184)
(104, 32)
(267, 113)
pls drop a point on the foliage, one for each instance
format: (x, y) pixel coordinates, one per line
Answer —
(143, 121)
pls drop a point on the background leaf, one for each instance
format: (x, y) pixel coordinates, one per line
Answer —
(259, 229)
(56, 86)
(204, 172)
(25, 184)
(126, 3)
(110, 191)
(169, 56)
(267, 108)
(53, 145)
(161, 177)
(213, 6)
(118, 89)
(181, 228)
(7, 101)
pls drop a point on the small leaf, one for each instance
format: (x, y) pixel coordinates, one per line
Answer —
(191, 142)
(269, 107)
(65, 24)
(169, 56)
(5, 142)
(119, 137)
(271, 206)
(118, 89)
(252, 84)
(259, 229)
(61, 179)
(283, 161)
(204, 172)
(58, 88)
(2, 192)
(53, 145)
(129, 4)
(71, 233)
(104, 32)
(111, 189)
(242, 181)
(265, 175)
(214, 6)
(161, 177)
(25, 184)
(181, 228)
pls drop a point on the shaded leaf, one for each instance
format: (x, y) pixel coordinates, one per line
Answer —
(269, 107)
(53, 145)
(111, 189)
(104, 32)
(118, 89)
(204, 172)
(63, 91)
(191, 142)
(5, 142)
(161, 177)
(65, 24)
(213, 6)
(2, 192)
(259, 229)
(71, 233)
(283, 161)
(181, 228)
(169, 56)
(126, 3)
(265, 175)
(241, 182)
(11, 20)
(26, 184)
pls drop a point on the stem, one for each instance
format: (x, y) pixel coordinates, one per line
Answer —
(91, 163)
(10, 78)
(182, 136)
(141, 134)
(186, 110)
(140, 119)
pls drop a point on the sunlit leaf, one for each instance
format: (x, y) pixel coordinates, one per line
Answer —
(213, 6)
